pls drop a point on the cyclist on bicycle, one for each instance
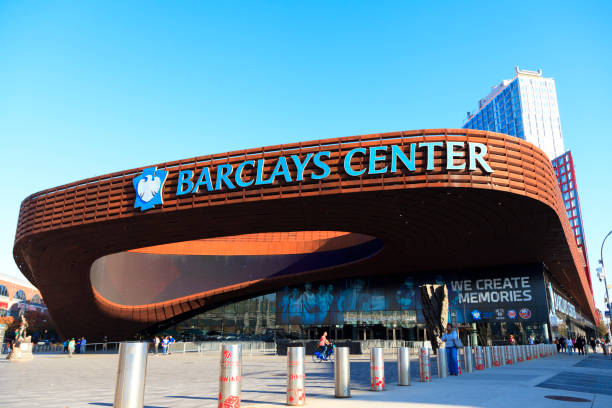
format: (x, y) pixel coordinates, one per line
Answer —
(324, 345)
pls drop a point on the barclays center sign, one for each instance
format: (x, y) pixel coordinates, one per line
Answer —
(460, 156)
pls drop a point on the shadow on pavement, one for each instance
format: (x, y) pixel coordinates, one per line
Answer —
(106, 404)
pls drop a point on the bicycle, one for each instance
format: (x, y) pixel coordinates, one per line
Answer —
(318, 357)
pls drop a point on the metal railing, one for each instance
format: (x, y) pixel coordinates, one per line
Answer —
(392, 345)
(179, 347)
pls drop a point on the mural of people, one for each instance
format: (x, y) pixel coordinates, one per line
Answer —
(295, 306)
(352, 296)
(405, 294)
(309, 305)
(325, 298)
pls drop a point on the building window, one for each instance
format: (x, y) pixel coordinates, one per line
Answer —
(3, 291)
(3, 312)
(20, 295)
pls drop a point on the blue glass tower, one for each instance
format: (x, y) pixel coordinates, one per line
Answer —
(524, 106)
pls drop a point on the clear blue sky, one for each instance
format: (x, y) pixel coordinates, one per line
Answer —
(88, 88)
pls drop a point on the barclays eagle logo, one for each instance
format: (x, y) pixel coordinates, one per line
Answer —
(149, 188)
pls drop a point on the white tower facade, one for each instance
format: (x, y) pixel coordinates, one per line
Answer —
(526, 107)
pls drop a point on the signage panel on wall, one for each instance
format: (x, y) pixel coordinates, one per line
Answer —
(500, 294)
(460, 156)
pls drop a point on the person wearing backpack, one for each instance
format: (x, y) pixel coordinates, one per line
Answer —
(452, 342)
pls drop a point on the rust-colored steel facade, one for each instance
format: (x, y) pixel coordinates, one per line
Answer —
(428, 220)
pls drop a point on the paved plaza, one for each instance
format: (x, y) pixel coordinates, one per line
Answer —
(191, 380)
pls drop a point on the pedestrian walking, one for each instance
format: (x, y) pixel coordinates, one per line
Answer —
(569, 346)
(165, 343)
(83, 345)
(156, 342)
(71, 346)
(171, 341)
(451, 340)
(562, 342)
(580, 343)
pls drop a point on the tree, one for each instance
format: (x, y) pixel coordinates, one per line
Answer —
(602, 328)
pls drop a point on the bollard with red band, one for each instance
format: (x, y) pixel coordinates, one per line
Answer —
(528, 352)
(479, 358)
(459, 370)
(509, 359)
(424, 367)
(230, 376)
(515, 355)
(377, 369)
(488, 356)
(496, 357)
(296, 377)
(519, 354)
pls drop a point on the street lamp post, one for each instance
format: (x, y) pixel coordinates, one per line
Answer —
(603, 272)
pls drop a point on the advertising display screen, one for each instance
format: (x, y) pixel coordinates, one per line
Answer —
(501, 294)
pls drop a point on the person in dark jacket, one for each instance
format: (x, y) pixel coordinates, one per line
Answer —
(580, 343)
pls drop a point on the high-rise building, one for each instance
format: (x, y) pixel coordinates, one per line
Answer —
(524, 106)
(566, 177)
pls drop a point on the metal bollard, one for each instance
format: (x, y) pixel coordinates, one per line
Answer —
(377, 369)
(488, 357)
(515, 353)
(342, 373)
(131, 374)
(230, 375)
(479, 358)
(496, 356)
(459, 349)
(468, 360)
(502, 355)
(296, 390)
(424, 367)
(528, 352)
(442, 362)
(403, 366)
(508, 351)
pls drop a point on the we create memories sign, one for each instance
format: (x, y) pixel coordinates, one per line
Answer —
(516, 294)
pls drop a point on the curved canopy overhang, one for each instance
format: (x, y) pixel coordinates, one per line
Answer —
(503, 207)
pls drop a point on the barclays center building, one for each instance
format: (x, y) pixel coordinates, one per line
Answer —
(336, 235)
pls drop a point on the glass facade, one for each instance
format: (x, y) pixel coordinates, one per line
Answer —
(499, 302)
(566, 177)
(502, 113)
(524, 107)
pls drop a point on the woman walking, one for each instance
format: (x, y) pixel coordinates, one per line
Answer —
(452, 342)
(71, 345)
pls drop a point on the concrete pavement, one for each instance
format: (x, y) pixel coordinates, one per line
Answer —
(191, 380)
